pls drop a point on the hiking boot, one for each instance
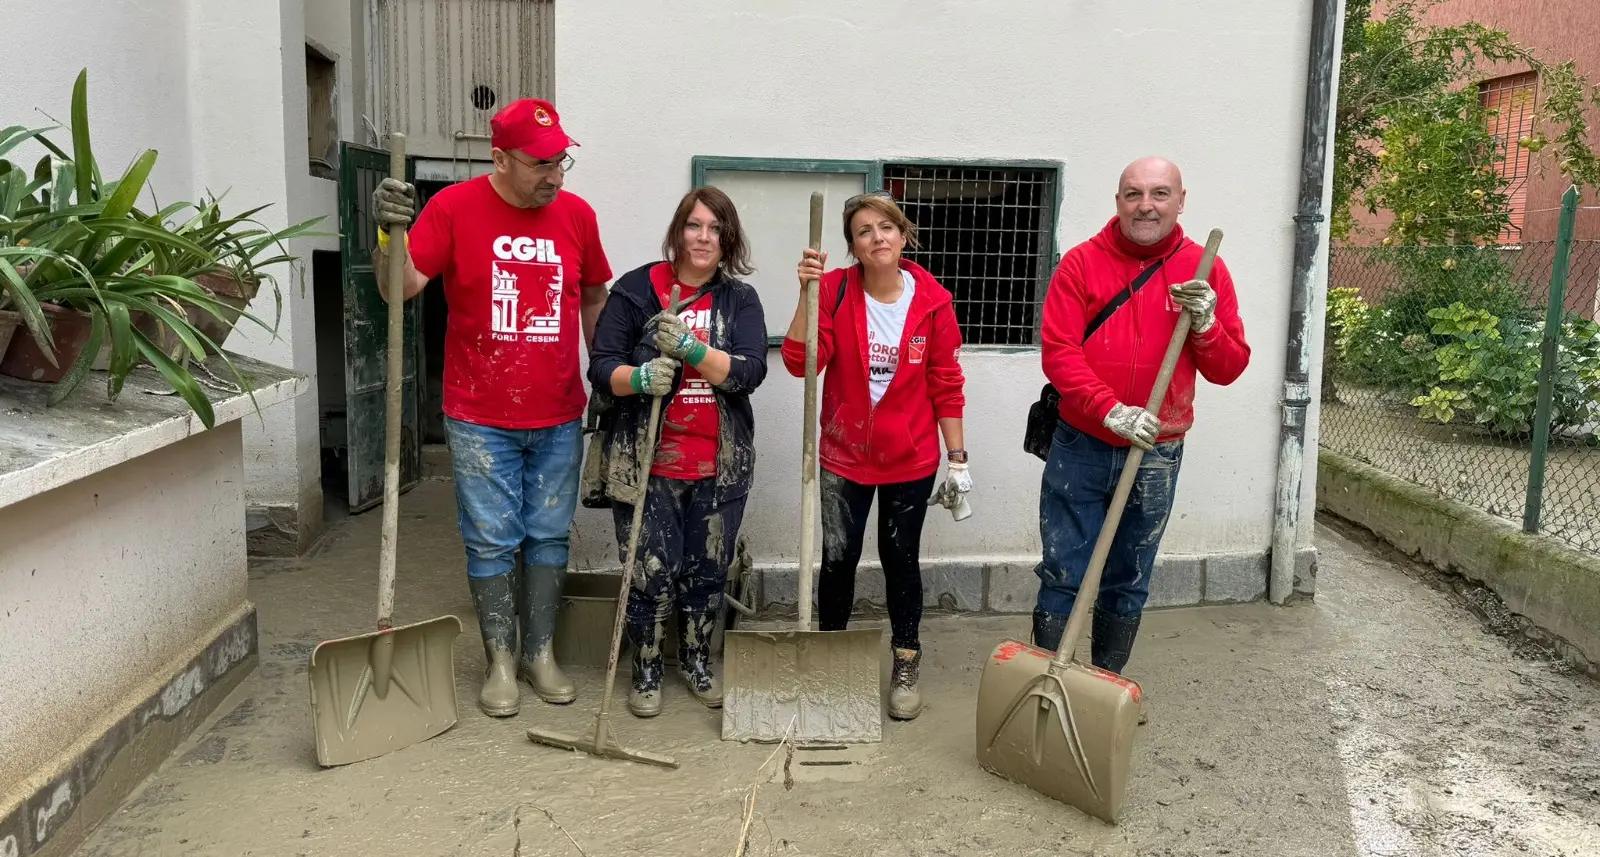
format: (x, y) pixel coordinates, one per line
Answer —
(905, 700)
(495, 604)
(541, 604)
(644, 699)
(694, 657)
(1047, 629)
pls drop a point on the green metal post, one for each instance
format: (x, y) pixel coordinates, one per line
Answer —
(1547, 361)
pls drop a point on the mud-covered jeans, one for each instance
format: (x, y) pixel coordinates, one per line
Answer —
(1080, 476)
(515, 488)
(902, 507)
(685, 546)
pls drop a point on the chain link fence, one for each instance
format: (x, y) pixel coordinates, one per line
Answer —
(1439, 371)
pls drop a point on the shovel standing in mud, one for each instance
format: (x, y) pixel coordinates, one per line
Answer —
(824, 683)
(1056, 725)
(386, 690)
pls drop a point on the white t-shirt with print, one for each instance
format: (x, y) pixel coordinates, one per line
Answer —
(885, 325)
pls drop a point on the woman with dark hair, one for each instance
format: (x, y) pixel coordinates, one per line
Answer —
(707, 354)
(888, 349)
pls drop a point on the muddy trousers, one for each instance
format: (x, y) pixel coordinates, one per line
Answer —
(1080, 476)
(685, 547)
(902, 508)
(516, 491)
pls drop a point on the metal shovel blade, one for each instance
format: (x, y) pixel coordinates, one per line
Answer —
(1065, 732)
(356, 717)
(824, 682)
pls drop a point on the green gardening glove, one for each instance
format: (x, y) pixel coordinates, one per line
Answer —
(654, 378)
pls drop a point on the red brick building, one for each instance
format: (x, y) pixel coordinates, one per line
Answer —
(1556, 30)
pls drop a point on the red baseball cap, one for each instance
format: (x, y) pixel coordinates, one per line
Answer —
(532, 125)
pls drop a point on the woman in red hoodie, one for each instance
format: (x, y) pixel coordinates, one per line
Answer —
(888, 349)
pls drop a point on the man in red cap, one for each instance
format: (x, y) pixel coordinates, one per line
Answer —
(523, 268)
(1112, 307)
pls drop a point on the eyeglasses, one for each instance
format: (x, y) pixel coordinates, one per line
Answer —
(882, 194)
(564, 165)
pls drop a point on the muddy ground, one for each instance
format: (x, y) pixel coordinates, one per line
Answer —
(1382, 720)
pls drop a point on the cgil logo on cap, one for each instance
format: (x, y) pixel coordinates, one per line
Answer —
(541, 116)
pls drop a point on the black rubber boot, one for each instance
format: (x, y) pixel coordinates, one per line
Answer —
(1112, 640)
(495, 603)
(1112, 644)
(694, 656)
(1047, 629)
(644, 700)
(541, 604)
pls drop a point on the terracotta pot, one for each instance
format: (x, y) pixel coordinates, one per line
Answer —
(232, 292)
(69, 332)
(10, 322)
(158, 333)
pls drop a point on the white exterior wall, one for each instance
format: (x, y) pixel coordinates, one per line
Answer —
(138, 74)
(1218, 88)
(147, 559)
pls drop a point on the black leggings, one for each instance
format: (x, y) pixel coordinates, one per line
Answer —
(902, 508)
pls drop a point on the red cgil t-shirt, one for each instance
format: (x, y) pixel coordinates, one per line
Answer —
(511, 280)
(688, 448)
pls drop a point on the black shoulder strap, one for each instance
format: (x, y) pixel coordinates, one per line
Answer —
(1122, 297)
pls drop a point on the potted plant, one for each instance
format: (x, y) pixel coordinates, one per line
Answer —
(84, 268)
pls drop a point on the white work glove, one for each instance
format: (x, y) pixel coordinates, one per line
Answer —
(953, 493)
(394, 202)
(1136, 425)
(654, 378)
(1199, 299)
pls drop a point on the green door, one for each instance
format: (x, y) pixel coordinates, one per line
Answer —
(366, 337)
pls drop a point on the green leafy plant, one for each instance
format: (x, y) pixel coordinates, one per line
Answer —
(72, 239)
(1487, 372)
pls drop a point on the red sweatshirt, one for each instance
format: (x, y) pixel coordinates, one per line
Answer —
(898, 440)
(1119, 363)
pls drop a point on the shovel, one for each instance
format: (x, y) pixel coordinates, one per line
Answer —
(824, 683)
(375, 693)
(1056, 725)
(601, 742)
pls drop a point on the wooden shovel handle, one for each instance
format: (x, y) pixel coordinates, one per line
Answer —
(394, 280)
(808, 423)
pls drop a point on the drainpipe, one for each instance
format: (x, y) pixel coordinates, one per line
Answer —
(1308, 231)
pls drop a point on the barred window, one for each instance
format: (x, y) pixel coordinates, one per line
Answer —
(1512, 100)
(987, 234)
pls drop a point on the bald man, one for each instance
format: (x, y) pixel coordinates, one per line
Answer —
(1113, 304)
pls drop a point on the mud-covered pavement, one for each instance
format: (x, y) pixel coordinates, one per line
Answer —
(1383, 720)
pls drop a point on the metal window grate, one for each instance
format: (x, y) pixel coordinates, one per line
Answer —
(986, 234)
(1511, 100)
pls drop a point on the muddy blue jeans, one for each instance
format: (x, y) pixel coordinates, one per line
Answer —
(515, 488)
(1079, 478)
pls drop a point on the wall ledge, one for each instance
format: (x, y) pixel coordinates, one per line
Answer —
(1554, 587)
(52, 811)
(44, 447)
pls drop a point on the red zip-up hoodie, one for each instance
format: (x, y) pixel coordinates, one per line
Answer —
(898, 440)
(1120, 361)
